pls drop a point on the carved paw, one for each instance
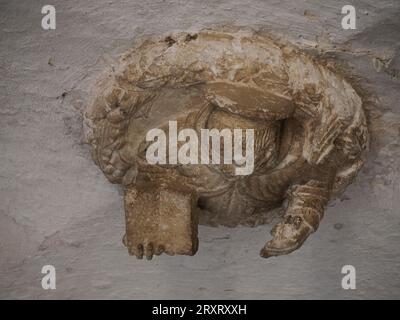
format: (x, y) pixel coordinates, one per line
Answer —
(143, 248)
(288, 236)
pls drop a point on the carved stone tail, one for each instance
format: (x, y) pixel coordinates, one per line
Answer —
(303, 214)
(308, 201)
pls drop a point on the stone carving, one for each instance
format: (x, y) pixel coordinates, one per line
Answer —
(310, 136)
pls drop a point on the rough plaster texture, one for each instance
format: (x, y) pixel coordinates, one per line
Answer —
(57, 208)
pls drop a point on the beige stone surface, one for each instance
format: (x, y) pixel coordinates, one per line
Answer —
(56, 206)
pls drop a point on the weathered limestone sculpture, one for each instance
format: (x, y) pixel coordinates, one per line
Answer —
(309, 127)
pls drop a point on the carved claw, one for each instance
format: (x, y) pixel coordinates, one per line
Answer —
(148, 251)
(144, 250)
(140, 250)
(288, 236)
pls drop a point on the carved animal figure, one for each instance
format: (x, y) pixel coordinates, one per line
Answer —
(309, 127)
